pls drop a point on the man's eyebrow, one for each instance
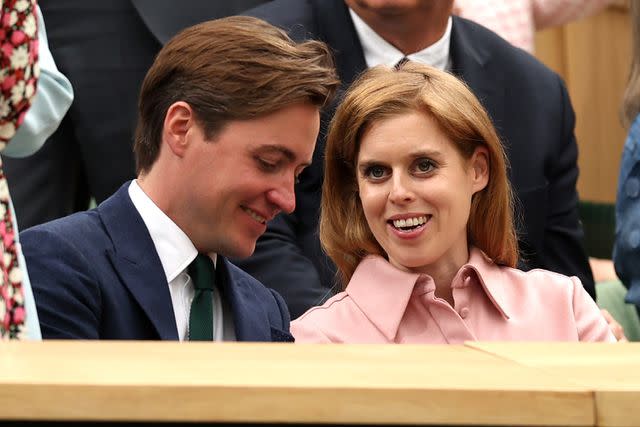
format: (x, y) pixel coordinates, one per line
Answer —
(279, 149)
(290, 155)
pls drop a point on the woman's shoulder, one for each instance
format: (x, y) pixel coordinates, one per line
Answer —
(318, 323)
(539, 280)
(331, 305)
(534, 278)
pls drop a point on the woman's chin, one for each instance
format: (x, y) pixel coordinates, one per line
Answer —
(411, 262)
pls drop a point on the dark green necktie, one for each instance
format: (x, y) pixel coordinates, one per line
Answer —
(201, 316)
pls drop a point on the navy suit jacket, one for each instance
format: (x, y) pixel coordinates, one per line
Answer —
(532, 113)
(97, 275)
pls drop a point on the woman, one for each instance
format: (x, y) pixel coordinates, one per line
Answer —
(627, 245)
(417, 216)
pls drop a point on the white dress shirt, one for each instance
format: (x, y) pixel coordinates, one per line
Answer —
(378, 51)
(176, 252)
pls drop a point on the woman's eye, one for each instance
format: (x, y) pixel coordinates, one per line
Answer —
(375, 172)
(424, 165)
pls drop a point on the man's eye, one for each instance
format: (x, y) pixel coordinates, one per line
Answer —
(375, 172)
(267, 166)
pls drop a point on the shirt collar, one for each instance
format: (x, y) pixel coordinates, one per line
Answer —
(174, 247)
(376, 283)
(378, 51)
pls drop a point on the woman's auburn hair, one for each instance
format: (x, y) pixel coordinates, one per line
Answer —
(381, 93)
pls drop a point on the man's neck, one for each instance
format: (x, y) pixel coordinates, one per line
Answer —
(409, 32)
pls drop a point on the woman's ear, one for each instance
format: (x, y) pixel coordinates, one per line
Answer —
(177, 122)
(479, 168)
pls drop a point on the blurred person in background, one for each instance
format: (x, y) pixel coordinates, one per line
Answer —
(49, 105)
(626, 250)
(518, 20)
(35, 97)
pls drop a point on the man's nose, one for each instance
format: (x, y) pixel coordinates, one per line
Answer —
(284, 198)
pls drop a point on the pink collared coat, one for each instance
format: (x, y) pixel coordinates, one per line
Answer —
(383, 304)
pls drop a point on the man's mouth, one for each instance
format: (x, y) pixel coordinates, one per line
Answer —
(253, 214)
(409, 224)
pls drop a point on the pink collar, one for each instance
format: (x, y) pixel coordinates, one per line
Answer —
(376, 283)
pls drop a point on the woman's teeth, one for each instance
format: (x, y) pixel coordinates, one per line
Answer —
(409, 222)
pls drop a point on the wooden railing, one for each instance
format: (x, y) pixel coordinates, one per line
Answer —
(474, 384)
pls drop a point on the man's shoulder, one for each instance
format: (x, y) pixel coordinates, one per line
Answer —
(513, 59)
(92, 230)
(62, 251)
(82, 227)
(282, 10)
(298, 17)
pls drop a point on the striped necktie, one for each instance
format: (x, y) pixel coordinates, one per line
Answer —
(400, 63)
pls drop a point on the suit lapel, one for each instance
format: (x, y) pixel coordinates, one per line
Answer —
(248, 316)
(472, 62)
(136, 261)
(335, 27)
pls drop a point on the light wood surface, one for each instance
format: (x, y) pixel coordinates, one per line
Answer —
(612, 371)
(166, 381)
(593, 57)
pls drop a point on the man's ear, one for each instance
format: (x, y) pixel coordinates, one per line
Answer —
(177, 122)
(479, 168)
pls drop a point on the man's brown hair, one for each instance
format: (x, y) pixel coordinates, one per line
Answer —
(234, 68)
(379, 94)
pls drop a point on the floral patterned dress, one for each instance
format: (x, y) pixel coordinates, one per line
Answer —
(18, 77)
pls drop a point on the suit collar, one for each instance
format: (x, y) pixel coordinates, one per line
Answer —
(335, 27)
(378, 51)
(467, 54)
(136, 261)
(376, 283)
(173, 246)
(473, 62)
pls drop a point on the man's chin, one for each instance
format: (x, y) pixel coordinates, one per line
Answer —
(241, 252)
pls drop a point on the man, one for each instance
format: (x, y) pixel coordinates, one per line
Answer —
(104, 48)
(228, 118)
(527, 102)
